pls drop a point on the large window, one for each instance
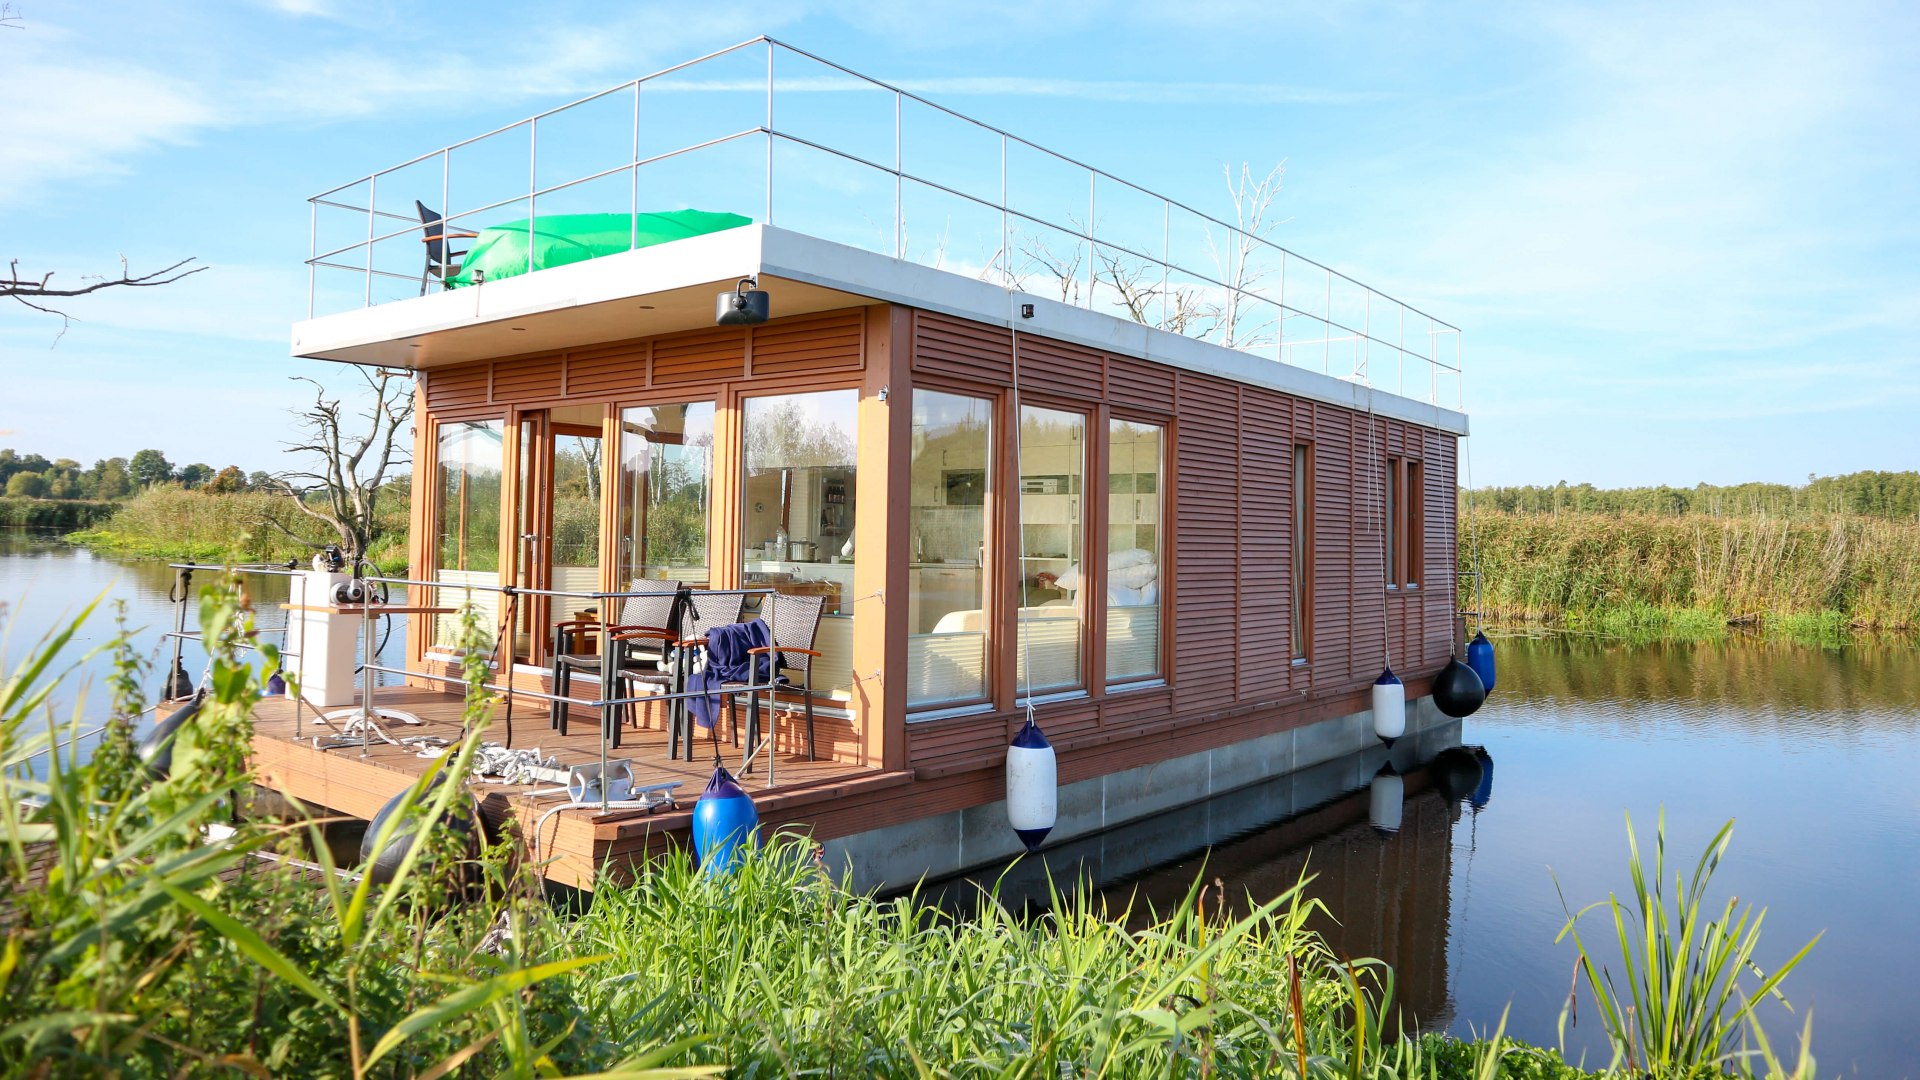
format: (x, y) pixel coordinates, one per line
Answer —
(1302, 551)
(797, 513)
(666, 472)
(467, 541)
(1135, 555)
(947, 633)
(1052, 545)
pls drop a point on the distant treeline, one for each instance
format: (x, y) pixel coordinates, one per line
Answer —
(1894, 496)
(48, 514)
(32, 476)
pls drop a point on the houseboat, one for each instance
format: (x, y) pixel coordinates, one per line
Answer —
(1026, 438)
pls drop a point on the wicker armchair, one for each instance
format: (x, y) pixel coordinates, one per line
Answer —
(655, 608)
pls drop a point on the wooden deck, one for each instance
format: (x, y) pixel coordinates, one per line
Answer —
(573, 843)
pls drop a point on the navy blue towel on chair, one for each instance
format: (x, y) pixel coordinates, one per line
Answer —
(728, 661)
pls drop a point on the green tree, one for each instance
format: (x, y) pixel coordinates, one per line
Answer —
(112, 480)
(195, 475)
(27, 485)
(230, 480)
(150, 467)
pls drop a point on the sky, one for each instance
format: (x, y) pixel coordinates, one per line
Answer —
(1682, 240)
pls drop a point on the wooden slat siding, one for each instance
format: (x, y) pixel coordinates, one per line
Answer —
(535, 379)
(826, 342)
(962, 349)
(1266, 555)
(1437, 626)
(1206, 542)
(1139, 384)
(1334, 507)
(607, 373)
(1058, 369)
(450, 388)
(702, 356)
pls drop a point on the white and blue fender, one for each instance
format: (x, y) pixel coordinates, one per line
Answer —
(1385, 798)
(1389, 707)
(1033, 786)
(724, 823)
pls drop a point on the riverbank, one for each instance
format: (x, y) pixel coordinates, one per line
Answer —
(1822, 580)
(214, 527)
(18, 513)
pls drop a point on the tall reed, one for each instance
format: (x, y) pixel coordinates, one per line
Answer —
(1697, 574)
(1676, 1004)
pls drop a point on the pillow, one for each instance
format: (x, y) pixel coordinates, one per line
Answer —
(1133, 577)
(1125, 557)
(1070, 580)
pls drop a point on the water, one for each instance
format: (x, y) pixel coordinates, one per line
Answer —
(1811, 752)
(45, 584)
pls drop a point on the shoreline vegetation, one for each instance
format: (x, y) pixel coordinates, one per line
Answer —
(1820, 579)
(1832, 561)
(136, 947)
(175, 523)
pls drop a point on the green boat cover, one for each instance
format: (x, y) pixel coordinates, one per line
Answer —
(559, 239)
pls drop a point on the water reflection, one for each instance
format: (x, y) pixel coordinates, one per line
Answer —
(1374, 829)
(45, 584)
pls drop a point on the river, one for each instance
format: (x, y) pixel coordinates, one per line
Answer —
(1811, 752)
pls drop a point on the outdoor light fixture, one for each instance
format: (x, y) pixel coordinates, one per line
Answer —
(746, 305)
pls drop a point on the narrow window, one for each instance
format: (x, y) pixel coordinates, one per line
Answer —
(1394, 526)
(1302, 551)
(1136, 463)
(1052, 546)
(1415, 499)
(467, 463)
(947, 632)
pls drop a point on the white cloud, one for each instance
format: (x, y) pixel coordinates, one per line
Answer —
(68, 120)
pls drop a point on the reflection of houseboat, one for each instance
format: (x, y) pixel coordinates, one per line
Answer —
(1006, 484)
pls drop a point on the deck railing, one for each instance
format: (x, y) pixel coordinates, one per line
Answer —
(364, 718)
(774, 132)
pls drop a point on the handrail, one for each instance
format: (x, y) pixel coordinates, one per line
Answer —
(369, 669)
(1243, 308)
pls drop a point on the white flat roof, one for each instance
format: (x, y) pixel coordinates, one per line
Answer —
(670, 287)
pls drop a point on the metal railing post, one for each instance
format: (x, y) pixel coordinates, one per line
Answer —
(1093, 182)
(899, 184)
(373, 188)
(533, 184)
(770, 47)
(313, 250)
(609, 681)
(633, 238)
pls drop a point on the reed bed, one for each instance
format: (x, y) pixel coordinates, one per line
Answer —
(247, 526)
(1696, 576)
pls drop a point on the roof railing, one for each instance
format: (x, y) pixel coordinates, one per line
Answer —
(765, 127)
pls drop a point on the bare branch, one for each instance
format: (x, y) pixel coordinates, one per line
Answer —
(355, 450)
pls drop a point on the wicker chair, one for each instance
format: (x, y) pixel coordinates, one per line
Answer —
(702, 612)
(791, 620)
(655, 608)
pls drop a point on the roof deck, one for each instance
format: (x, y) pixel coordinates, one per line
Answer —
(858, 191)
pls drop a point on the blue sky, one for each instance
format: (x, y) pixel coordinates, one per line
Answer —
(1683, 240)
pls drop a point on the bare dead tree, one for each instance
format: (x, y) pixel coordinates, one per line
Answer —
(34, 292)
(1146, 296)
(354, 450)
(1235, 258)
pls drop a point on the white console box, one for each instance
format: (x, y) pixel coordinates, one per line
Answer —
(322, 640)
